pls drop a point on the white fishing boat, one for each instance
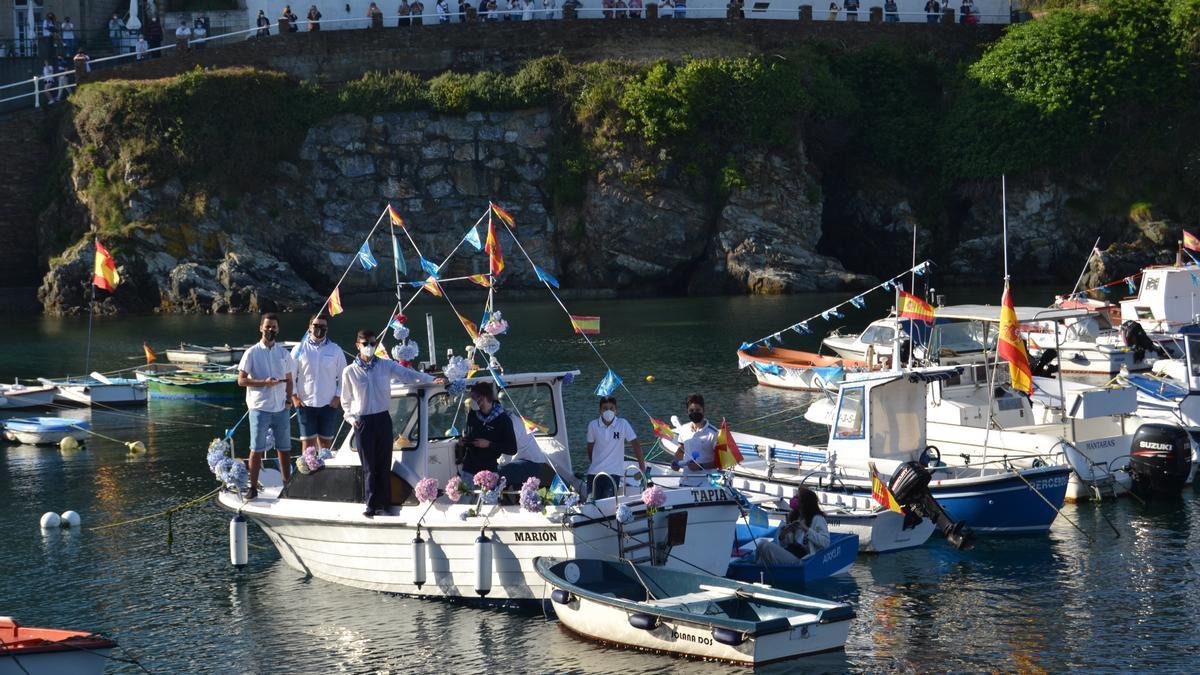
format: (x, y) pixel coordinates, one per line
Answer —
(97, 389)
(691, 614)
(50, 651)
(876, 340)
(17, 396)
(475, 550)
(190, 354)
(44, 430)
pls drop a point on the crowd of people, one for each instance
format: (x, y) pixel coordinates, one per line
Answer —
(968, 14)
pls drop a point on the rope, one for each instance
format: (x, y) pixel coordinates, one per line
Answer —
(1052, 506)
(178, 507)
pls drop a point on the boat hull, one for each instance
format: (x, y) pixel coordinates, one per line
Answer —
(206, 390)
(829, 561)
(31, 397)
(195, 357)
(103, 394)
(58, 662)
(44, 430)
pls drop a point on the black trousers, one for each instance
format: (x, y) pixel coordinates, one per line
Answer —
(375, 454)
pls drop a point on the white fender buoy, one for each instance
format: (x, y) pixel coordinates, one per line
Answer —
(70, 519)
(68, 443)
(50, 520)
(483, 564)
(418, 560)
(136, 447)
(238, 546)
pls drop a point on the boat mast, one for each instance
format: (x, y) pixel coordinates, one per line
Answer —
(1086, 264)
(87, 359)
(912, 283)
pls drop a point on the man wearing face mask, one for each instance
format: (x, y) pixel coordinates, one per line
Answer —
(266, 373)
(366, 400)
(489, 432)
(606, 441)
(697, 454)
(318, 388)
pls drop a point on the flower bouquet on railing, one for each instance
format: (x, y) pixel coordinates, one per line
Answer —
(229, 471)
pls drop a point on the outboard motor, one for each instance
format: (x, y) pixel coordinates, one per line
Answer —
(1045, 366)
(1135, 337)
(910, 487)
(1160, 458)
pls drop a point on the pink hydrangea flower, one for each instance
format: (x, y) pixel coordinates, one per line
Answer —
(654, 496)
(487, 480)
(426, 490)
(454, 488)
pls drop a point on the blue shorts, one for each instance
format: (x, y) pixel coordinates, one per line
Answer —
(321, 421)
(280, 423)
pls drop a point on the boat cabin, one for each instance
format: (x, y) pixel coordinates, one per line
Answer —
(1166, 299)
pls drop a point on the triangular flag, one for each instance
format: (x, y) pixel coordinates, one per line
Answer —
(472, 238)
(544, 276)
(365, 258)
(432, 286)
(472, 330)
(335, 303)
(151, 357)
(481, 279)
(858, 302)
(399, 257)
(396, 219)
(533, 427)
(104, 274)
(881, 493)
(381, 352)
(726, 449)
(430, 269)
(609, 384)
(662, 429)
(495, 255)
(504, 215)
(500, 383)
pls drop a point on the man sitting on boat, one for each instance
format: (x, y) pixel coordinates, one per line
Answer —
(528, 461)
(366, 399)
(697, 454)
(318, 388)
(607, 437)
(805, 533)
(489, 433)
(266, 373)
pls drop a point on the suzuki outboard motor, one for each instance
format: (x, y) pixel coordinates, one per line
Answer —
(1135, 338)
(910, 487)
(1160, 458)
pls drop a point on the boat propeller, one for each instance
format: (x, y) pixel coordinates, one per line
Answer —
(910, 486)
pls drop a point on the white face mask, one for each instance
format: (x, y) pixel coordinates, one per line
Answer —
(608, 415)
(474, 404)
(366, 351)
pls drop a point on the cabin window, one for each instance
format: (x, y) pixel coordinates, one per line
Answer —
(897, 420)
(1144, 313)
(878, 335)
(1193, 348)
(850, 414)
(447, 415)
(406, 421)
(534, 402)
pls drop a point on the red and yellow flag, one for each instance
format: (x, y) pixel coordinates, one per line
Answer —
(912, 307)
(728, 454)
(532, 427)
(396, 219)
(335, 303)
(503, 215)
(381, 352)
(481, 279)
(662, 429)
(1011, 347)
(586, 325)
(433, 286)
(104, 275)
(881, 494)
(151, 357)
(1190, 241)
(495, 255)
(469, 325)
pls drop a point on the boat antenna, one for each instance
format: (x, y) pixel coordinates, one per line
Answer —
(1086, 264)
(87, 359)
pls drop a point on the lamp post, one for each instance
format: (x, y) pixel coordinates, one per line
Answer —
(133, 24)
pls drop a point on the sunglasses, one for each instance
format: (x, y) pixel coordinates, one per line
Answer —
(369, 343)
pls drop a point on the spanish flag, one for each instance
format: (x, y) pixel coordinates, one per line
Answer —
(586, 325)
(495, 255)
(396, 219)
(151, 357)
(104, 275)
(335, 303)
(470, 327)
(728, 454)
(481, 279)
(504, 215)
(432, 286)
(1011, 347)
(912, 307)
(381, 352)
(1190, 241)
(881, 493)
(662, 429)
(532, 427)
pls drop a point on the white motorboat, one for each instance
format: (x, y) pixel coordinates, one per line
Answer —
(190, 354)
(97, 389)
(875, 341)
(475, 550)
(1166, 299)
(49, 651)
(44, 430)
(16, 396)
(691, 614)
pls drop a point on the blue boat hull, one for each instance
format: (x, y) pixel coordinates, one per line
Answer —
(1007, 505)
(840, 554)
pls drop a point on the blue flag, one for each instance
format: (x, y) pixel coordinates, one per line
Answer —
(802, 328)
(919, 270)
(365, 258)
(770, 368)
(1130, 284)
(831, 374)
(887, 285)
(746, 346)
(543, 275)
(858, 302)
(430, 268)
(472, 238)
(500, 383)
(399, 258)
(609, 384)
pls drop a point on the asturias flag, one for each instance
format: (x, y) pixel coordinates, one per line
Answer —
(912, 307)
(105, 275)
(1190, 241)
(727, 451)
(1011, 347)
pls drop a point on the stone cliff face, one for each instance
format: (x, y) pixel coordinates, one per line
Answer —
(284, 247)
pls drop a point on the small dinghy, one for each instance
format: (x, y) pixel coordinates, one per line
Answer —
(44, 430)
(833, 559)
(14, 396)
(47, 651)
(201, 355)
(98, 389)
(692, 614)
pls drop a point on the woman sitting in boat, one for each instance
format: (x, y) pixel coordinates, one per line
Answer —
(805, 533)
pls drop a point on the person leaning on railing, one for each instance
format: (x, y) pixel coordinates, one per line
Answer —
(154, 36)
(263, 23)
(314, 19)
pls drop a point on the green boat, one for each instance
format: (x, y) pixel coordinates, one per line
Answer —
(191, 384)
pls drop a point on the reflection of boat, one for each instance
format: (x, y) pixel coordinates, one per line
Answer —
(200, 355)
(792, 369)
(474, 550)
(14, 396)
(827, 562)
(691, 614)
(97, 389)
(44, 430)
(47, 651)
(186, 383)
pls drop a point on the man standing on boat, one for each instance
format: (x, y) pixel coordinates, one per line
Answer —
(266, 373)
(697, 454)
(366, 400)
(318, 388)
(606, 441)
(489, 432)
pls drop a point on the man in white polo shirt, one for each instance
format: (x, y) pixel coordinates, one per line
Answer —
(697, 453)
(606, 441)
(318, 388)
(266, 373)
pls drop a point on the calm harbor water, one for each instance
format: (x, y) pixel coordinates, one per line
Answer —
(1067, 600)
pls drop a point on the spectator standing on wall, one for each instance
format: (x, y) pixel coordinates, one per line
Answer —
(405, 12)
(115, 27)
(142, 47)
(46, 41)
(607, 8)
(291, 18)
(933, 11)
(620, 9)
(314, 19)
(851, 8)
(666, 9)
(833, 10)
(418, 12)
(443, 11)
(375, 16)
(263, 23)
(548, 9)
(68, 36)
(61, 69)
(635, 9)
(527, 11)
(199, 32)
(154, 36)
(183, 35)
(681, 9)
(890, 11)
(48, 80)
(493, 10)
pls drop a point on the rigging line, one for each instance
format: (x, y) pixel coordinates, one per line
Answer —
(353, 260)
(421, 288)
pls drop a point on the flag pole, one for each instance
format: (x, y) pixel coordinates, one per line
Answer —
(87, 360)
(1004, 222)
(1086, 263)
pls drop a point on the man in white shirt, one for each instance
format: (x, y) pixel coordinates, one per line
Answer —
(697, 454)
(607, 437)
(317, 391)
(367, 400)
(266, 373)
(528, 460)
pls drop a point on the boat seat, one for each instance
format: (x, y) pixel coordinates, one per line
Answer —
(681, 601)
(621, 590)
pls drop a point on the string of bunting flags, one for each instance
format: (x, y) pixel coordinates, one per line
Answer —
(858, 302)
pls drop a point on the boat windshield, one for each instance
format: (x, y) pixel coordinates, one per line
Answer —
(534, 402)
(447, 416)
(406, 423)
(960, 337)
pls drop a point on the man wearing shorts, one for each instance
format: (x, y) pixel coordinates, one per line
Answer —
(318, 388)
(266, 373)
